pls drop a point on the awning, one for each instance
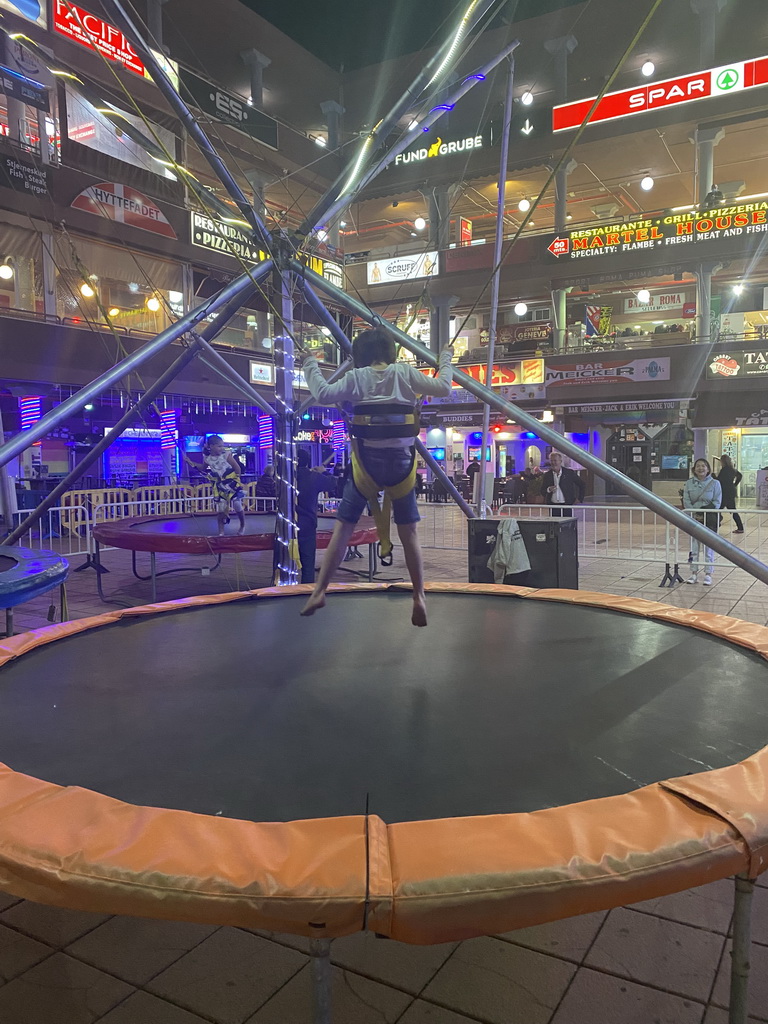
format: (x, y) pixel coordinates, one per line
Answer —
(738, 409)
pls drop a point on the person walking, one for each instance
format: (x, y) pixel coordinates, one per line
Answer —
(729, 478)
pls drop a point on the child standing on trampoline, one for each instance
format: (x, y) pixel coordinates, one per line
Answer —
(384, 425)
(224, 473)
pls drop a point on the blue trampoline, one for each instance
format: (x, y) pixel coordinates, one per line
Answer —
(25, 574)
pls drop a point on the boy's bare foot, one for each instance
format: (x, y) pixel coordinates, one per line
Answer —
(419, 615)
(315, 601)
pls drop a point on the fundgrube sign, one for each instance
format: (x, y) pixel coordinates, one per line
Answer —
(661, 230)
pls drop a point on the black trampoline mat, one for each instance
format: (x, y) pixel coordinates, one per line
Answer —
(500, 705)
(6, 563)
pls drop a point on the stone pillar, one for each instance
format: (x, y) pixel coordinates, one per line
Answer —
(439, 320)
(256, 62)
(707, 11)
(259, 181)
(155, 24)
(705, 329)
(333, 112)
(705, 140)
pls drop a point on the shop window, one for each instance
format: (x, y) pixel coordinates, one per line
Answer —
(21, 280)
(35, 131)
(87, 126)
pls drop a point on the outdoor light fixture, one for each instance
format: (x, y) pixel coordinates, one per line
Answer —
(412, 125)
(6, 270)
(153, 304)
(320, 141)
(342, 223)
(326, 331)
(322, 234)
(648, 68)
(86, 291)
(521, 308)
(527, 98)
(524, 205)
(419, 223)
(114, 311)
(88, 407)
(646, 183)
(738, 289)
(643, 295)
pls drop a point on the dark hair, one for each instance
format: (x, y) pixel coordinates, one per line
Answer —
(211, 439)
(709, 468)
(373, 346)
(303, 459)
(726, 460)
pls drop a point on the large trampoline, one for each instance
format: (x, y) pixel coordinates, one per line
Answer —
(194, 533)
(26, 574)
(530, 756)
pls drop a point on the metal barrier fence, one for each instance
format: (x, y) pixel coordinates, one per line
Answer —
(630, 533)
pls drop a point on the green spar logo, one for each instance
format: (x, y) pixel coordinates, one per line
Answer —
(727, 79)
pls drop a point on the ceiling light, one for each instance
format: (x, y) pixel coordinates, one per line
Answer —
(153, 304)
(527, 98)
(114, 311)
(326, 331)
(524, 205)
(322, 234)
(88, 407)
(342, 223)
(6, 271)
(320, 141)
(419, 223)
(412, 125)
(643, 295)
(414, 235)
(569, 216)
(738, 289)
(648, 68)
(86, 291)
(646, 183)
(521, 308)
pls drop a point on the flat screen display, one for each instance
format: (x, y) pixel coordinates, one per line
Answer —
(438, 454)
(674, 461)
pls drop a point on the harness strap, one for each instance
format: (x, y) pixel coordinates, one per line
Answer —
(369, 489)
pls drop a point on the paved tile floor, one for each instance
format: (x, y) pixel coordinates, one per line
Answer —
(661, 962)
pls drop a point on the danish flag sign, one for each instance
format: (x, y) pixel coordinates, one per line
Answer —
(125, 205)
(734, 77)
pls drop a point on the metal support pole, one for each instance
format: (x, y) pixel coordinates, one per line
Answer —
(439, 472)
(495, 281)
(7, 492)
(118, 13)
(219, 365)
(320, 953)
(740, 949)
(644, 497)
(318, 307)
(286, 536)
(75, 402)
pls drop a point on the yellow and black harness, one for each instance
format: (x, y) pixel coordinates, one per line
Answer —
(378, 421)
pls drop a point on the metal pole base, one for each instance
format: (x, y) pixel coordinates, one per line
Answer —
(671, 576)
(320, 953)
(740, 949)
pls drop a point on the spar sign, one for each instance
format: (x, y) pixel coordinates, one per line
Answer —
(715, 82)
(125, 205)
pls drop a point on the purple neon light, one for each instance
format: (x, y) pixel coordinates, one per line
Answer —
(339, 436)
(169, 429)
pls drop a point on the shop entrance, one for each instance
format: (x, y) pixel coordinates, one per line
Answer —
(629, 456)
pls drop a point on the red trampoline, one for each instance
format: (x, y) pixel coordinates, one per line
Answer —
(197, 534)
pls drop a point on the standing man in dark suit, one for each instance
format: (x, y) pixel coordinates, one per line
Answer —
(561, 487)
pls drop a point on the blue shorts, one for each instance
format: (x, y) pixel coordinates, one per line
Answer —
(387, 466)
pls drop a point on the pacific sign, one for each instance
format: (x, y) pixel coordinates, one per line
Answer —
(663, 230)
(704, 84)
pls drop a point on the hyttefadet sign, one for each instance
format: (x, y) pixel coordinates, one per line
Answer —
(703, 85)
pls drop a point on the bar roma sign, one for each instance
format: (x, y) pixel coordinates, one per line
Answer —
(651, 231)
(703, 85)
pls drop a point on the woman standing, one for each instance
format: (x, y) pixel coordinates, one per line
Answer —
(702, 491)
(730, 478)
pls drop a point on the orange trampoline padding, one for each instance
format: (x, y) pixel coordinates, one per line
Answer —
(417, 881)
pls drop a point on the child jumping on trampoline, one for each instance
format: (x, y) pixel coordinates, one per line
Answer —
(224, 473)
(384, 425)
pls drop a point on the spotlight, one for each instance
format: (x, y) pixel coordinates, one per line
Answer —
(646, 183)
(643, 295)
(419, 223)
(738, 289)
(114, 311)
(322, 234)
(524, 205)
(320, 141)
(153, 304)
(521, 308)
(648, 68)
(6, 270)
(527, 98)
(86, 291)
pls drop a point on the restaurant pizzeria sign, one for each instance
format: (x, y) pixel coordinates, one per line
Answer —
(662, 230)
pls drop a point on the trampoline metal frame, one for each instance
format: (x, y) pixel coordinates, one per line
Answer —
(415, 881)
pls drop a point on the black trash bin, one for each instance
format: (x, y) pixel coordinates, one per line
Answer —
(552, 551)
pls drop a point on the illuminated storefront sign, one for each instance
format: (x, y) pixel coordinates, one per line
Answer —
(439, 148)
(527, 371)
(217, 236)
(125, 205)
(85, 28)
(314, 436)
(402, 268)
(609, 371)
(663, 230)
(262, 373)
(532, 330)
(656, 95)
(739, 364)
(662, 302)
(32, 10)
